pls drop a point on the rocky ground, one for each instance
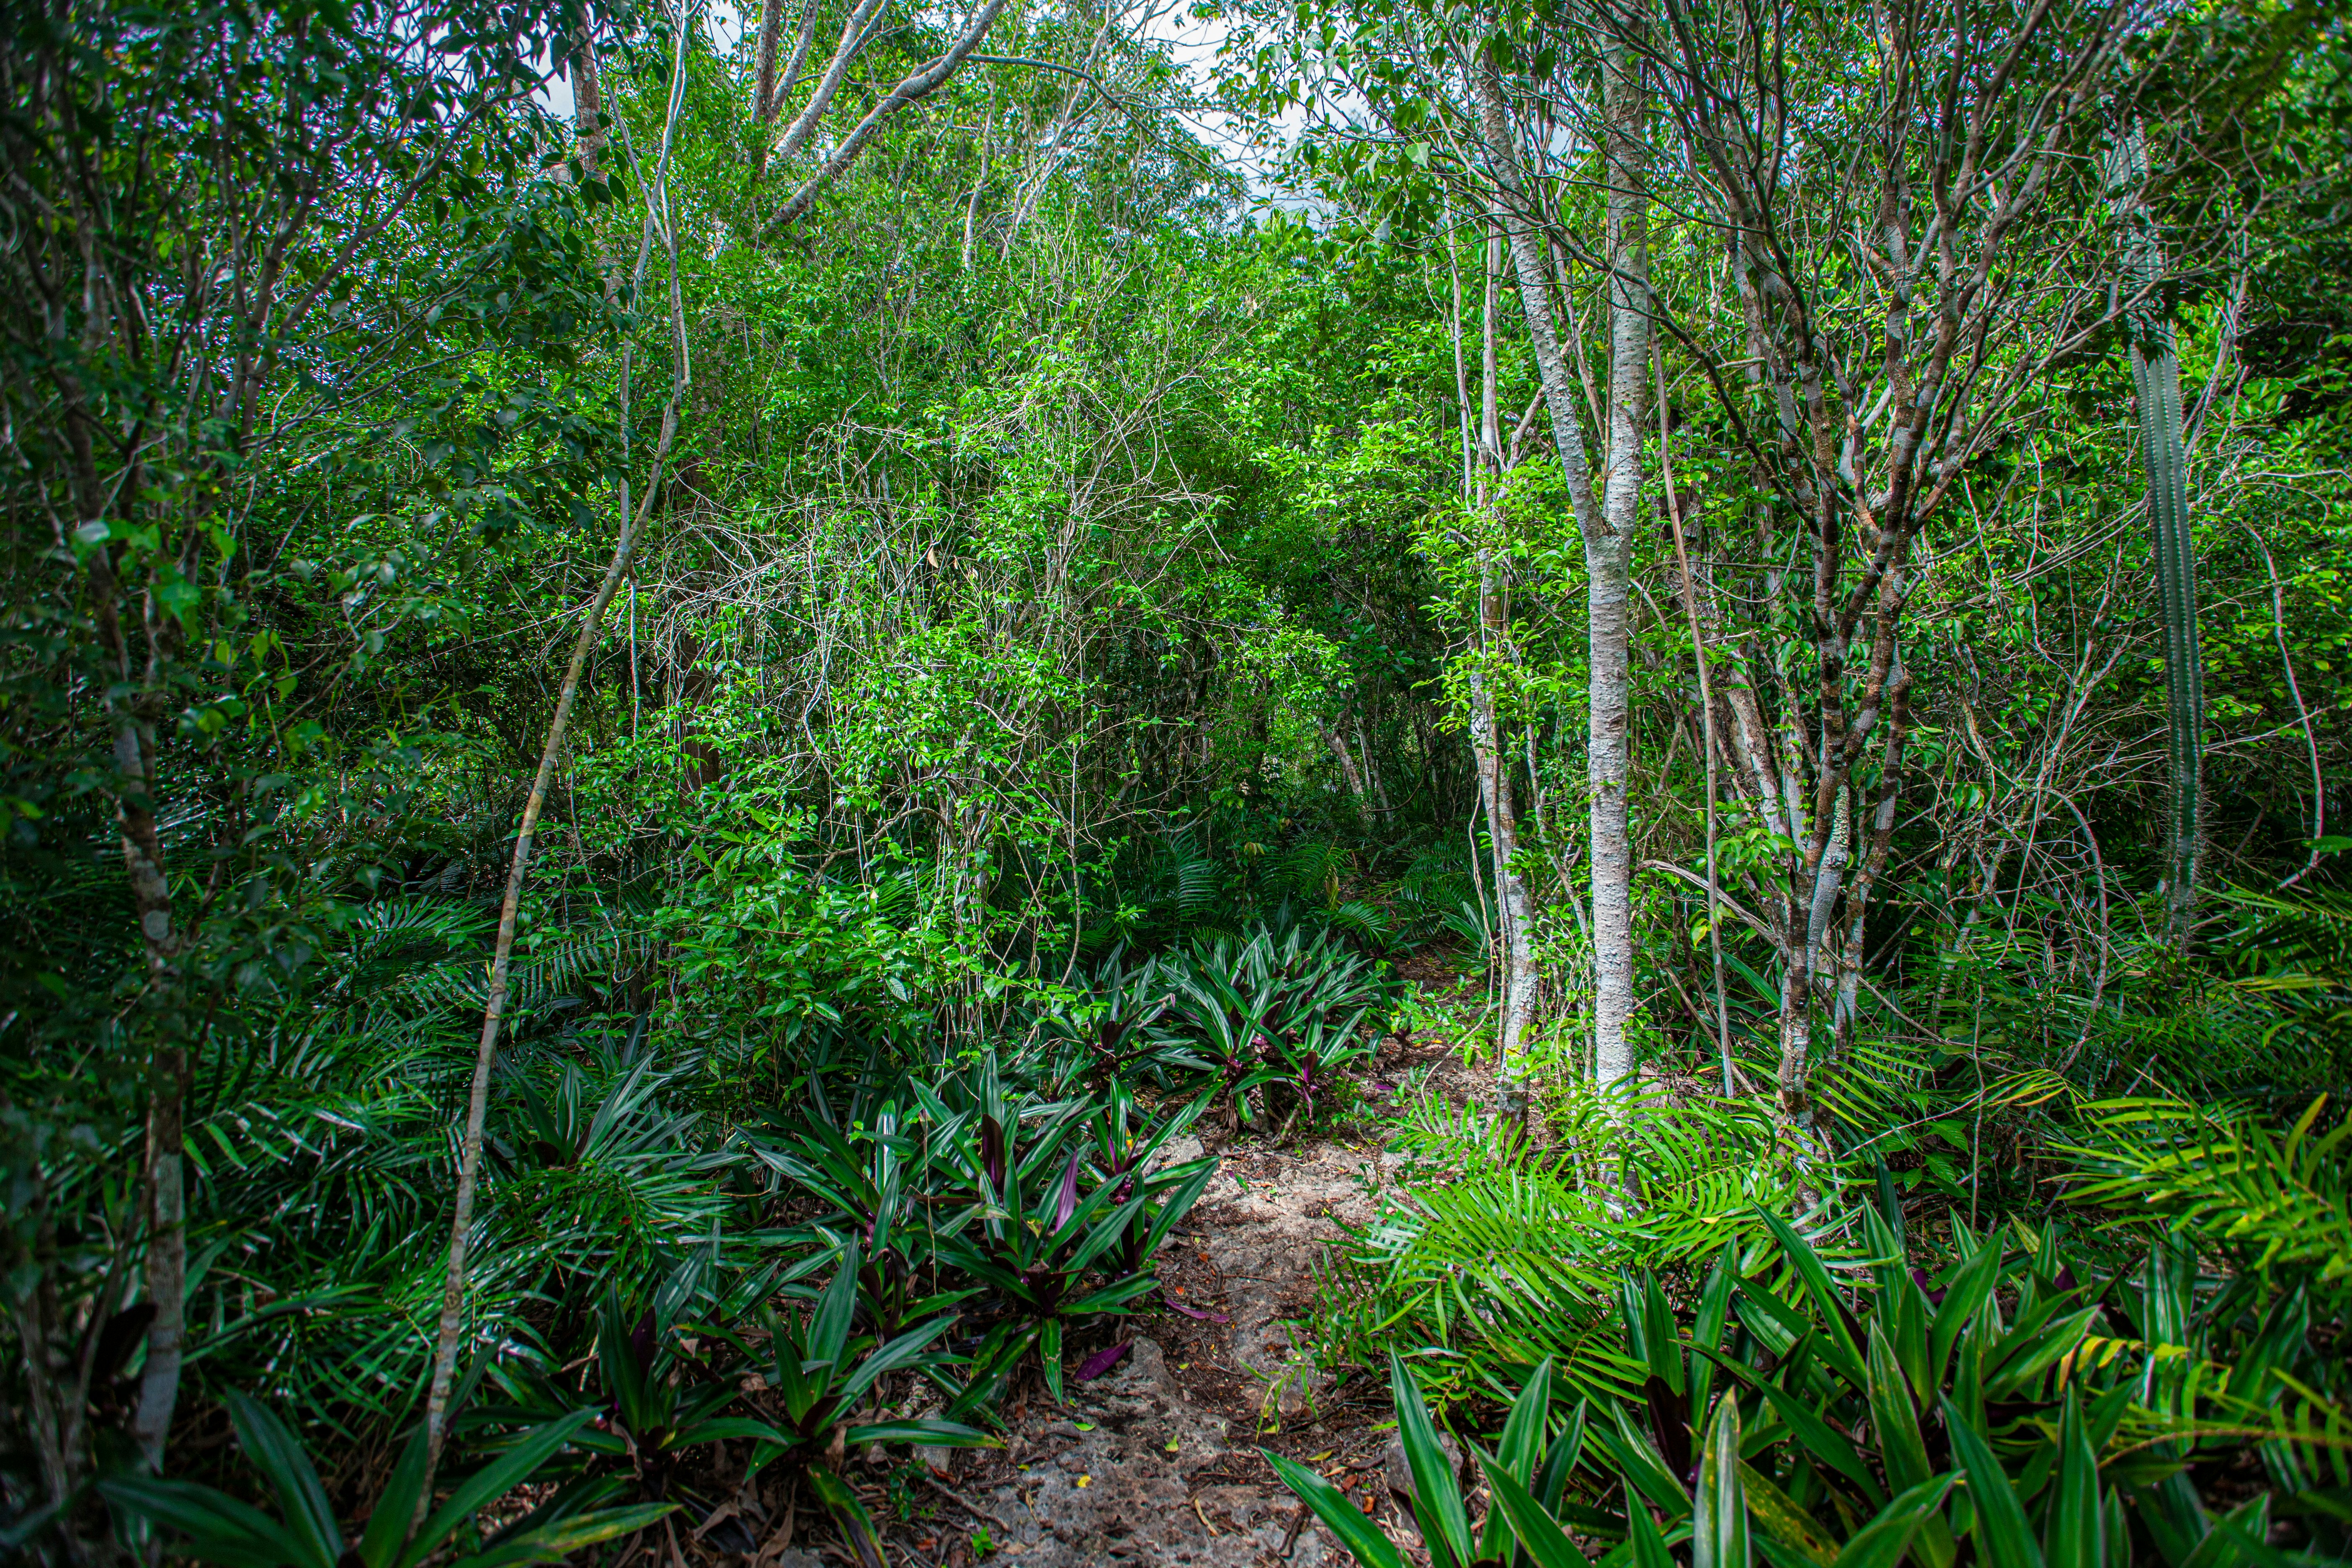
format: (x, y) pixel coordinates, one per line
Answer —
(1158, 1460)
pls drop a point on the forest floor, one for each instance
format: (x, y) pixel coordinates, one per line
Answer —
(1158, 1460)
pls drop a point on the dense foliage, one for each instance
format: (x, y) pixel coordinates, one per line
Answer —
(675, 699)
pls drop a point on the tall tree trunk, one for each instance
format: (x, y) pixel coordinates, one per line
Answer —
(1710, 751)
(1606, 522)
(1608, 558)
(1514, 909)
(770, 87)
(763, 65)
(587, 106)
(2156, 382)
(164, 1170)
(1347, 761)
(469, 1159)
(1517, 907)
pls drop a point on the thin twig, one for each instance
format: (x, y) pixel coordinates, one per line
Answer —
(963, 1501)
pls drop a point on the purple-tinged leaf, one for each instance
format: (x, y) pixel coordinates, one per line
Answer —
(991, 1153)
(1069, 1203)
(1101, 1361)
(1195, 1312)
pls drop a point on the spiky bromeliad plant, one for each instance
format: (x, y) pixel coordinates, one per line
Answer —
(1054, 1258)
(873, 1178)
(1992, 1414)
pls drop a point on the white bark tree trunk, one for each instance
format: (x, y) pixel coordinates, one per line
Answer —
(1514, 909)
(1609, 564)
(1606, 521)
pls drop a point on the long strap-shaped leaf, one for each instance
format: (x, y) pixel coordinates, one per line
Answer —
(1358, 1534)
(2155, 381)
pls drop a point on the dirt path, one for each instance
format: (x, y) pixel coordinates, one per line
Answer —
(1158, 1461)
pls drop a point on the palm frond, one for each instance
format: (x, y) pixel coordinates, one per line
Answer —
(2226, 1175)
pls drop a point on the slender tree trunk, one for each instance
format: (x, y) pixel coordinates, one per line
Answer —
(587, 106)
(163, 1162)
(167, 1254)
(1519, 979)
(1514, 909)
(1339, 753)
(770, 89)
(1372, 764)
(763, 68)
(470, 1160)
(1708, 746)
(1607, 557)
(1606, 523)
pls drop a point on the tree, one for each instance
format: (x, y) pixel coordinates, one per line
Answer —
(196, 196)
(1907, 228)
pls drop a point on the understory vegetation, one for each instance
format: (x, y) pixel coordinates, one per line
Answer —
(692, 700)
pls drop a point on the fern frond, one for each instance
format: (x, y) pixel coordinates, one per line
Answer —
(2229, 1177)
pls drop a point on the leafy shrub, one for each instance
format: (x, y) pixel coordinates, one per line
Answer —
(1489, 1261)
(212, 1527)
(1051, 1253)
(2278, 1203)
(2016, 1406)
(1267, 1009)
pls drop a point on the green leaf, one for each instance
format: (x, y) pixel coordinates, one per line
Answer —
(388, 1526)
(311, 1531)
(218, 1527)
(2072, 1532)
(1548, 1545)
(929, 1433)
(2022, 1361)
(1719, 1511)
(889, 1358)
(1566, 1450)
(1178, 1201)
(1827, 1445)
(566, 1536)
(1520, 1445)
(1840, 1350)
(1966, 1286)
(494, 1480)
(1649, 1545)
(1437, 1496)
(1706, 1331)
(720, 1428)
(1358, 1534)
(1523, 1431)
(1049, 1353)
(2001, 1538)
(1643, 1467)
(828, 1330)
(1782, 1520)
(1882, 1542)
(856, 1525)
(1112, 1297)
(1894, 1416)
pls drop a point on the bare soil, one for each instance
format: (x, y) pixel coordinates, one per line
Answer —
(1159, 1460)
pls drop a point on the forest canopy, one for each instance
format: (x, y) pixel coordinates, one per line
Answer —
(700, 708)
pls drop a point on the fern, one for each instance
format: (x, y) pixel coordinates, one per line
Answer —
(1311, 870)
(1496, 1261)
(2280, 1202)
